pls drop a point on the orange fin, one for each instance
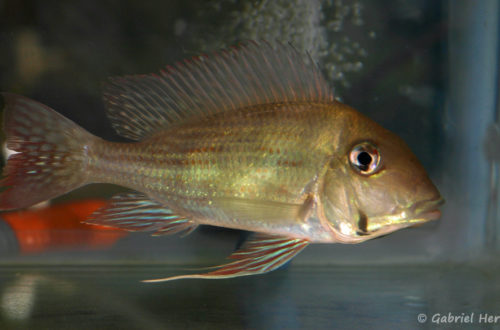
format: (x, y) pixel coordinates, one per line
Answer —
(136, 212)
(252, 73)
(260, 254)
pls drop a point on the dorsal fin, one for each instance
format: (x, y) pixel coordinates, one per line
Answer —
(250, 74)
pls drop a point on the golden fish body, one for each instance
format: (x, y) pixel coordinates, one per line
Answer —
(249, 140)
(255, 169)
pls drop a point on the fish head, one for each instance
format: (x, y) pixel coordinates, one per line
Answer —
(374, 184)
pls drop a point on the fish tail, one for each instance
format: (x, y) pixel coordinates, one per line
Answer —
(46, 153)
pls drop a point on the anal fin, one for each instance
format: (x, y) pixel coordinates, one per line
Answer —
(136, 212)
(260, 254)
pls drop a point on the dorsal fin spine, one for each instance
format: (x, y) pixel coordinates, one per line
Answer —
(209, 97)
(243, 58)
(157, 92)
(210, 70)
(228, 56)
(147, 100)
(178, 90)
(173, 106)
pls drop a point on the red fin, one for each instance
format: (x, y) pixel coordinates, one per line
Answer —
(59, 227)
(259, 255)
(250, 74)
(136, 212)
(48, 153)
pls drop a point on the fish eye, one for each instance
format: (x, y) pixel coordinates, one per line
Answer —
(364, 158)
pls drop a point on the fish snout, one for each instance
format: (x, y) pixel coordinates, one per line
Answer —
(427, 209)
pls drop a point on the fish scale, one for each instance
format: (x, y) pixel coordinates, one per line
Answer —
(207, 164)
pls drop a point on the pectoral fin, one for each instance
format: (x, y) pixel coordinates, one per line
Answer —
(260, 254)
(135, 212)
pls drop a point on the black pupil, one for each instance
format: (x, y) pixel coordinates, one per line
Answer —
(364, 160)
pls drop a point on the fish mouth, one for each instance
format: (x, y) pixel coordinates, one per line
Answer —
(376, 226)
(427, 210)
(416, 215)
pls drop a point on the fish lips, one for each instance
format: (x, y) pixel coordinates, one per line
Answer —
(418, 214)
(427, 210)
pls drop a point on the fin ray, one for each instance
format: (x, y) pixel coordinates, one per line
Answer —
(136, 212)
(252, 73)
(48, 153)
(261, 254)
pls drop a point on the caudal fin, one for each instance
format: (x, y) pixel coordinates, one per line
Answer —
(46, 153)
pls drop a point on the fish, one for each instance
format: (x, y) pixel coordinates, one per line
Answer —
(249, 138)
(58, 227)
